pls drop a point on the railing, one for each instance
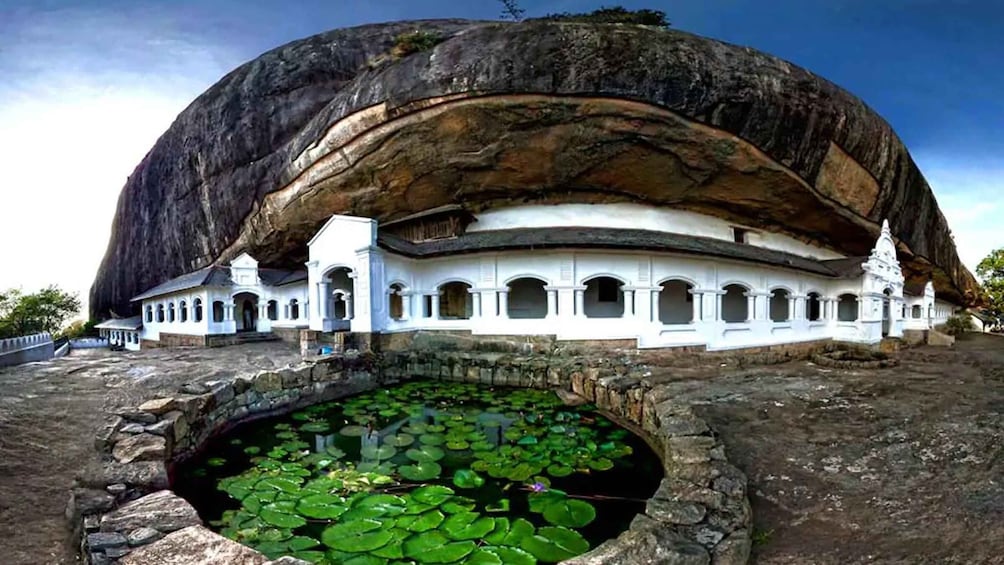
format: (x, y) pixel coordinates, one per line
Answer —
(88, 343)
(25, 349)
(24, 342)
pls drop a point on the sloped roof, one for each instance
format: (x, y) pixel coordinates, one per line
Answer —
(134, 323)
(609, 238)
(220, 276)
(846, 268)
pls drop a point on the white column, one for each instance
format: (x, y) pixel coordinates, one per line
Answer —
(323, 294)
(552, 302)
(434, 311)
(580, 302)
(792, 313)
(719, 296)
(751, 306)
(697, 298)
(504, 303)
(489, 303)
(406, 306)
(475, 304)
(347, 297)
(628, 303)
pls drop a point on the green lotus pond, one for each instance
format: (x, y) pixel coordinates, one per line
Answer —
(425, 472)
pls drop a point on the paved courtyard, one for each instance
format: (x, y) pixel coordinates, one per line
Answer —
(901, 465)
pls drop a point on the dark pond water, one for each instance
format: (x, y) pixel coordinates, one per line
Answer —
(425, 472)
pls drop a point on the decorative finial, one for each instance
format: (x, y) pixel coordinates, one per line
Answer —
(885, 227)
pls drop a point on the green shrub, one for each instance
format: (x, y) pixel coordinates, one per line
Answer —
(614, 15)
(959, 324)
(413, 42)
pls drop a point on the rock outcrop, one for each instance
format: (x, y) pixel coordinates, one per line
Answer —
(501, 113)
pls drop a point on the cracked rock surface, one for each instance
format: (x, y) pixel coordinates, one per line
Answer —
(506, 113)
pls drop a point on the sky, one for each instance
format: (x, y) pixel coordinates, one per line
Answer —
(86, 88)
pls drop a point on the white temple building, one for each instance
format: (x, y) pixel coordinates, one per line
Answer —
(661, 277)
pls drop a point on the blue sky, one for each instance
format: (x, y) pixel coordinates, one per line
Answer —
(86, 88)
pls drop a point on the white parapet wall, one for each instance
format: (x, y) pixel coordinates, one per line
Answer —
(25, 349)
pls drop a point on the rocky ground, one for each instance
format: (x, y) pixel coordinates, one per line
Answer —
(49, 413)
(901, 465)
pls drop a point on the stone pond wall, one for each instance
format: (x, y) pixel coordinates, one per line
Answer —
(124, 513)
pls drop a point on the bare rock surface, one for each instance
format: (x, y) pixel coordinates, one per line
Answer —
(889, 466)
(163, 511)
(194, 545)
(499, 113)
(50, 413)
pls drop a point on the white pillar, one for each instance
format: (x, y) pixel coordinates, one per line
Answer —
(504, 303)
(628, 303)
(406, 307)
(580, 302)
(434, 310)
(751, 306)
(552, 302)
(475, 304)
(719, 297)
(347, 297)
(323, 295)
(696, 297)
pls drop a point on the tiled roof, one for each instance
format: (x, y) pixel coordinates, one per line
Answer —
(220, 276)
(608, 238)
(134, 323)
(847, 268)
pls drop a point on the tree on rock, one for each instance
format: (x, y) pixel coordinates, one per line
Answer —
(615, 15)
(991, 273)
(43, 311)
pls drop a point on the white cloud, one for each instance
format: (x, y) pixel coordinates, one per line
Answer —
(969, 194)
(75, 120)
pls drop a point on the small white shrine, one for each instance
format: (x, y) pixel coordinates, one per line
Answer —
(661, 277)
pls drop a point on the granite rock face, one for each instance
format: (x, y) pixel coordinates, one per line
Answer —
(506, 113)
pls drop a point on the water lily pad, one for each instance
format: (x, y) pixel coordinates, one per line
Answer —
(554, 544)
(481, 446)
(216, 462)
(315, 427)
(465, 478)
(399, 440)
(519, 529)
(432, 494)
(252, 450)
(352, 431)
(424, 522)
(425, 453)
(569, 512)
(356, 536)
(559, 470)
(281, 515)
(421, 471)
(321, 506)
(434, 547)
(510, 555)
(467, 525)
(381, 452)
(380, 467)
(501, 505)
(432, 439)
(457, 445)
